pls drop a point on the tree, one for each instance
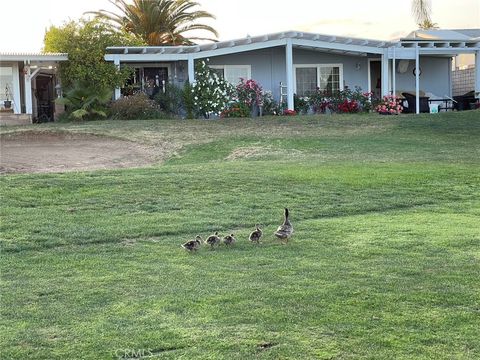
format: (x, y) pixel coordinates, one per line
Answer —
(159, 22)
(85, 42)
(422, 10)
(428, 25)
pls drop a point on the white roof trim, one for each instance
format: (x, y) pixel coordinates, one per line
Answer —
(328, 43)
(33, 56)
(254, 41)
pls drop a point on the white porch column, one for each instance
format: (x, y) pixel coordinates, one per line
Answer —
(28, 89)
(477, 74)
(417, 79)
(394, 72)
(289, 68)
(385, 74)
(117, 94)
(191, 69)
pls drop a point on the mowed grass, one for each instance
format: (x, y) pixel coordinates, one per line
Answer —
(384, 263)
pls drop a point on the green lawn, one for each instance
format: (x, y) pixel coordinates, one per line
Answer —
(384, 264)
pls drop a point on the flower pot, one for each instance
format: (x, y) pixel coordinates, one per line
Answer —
(254, 111)
(7, 104)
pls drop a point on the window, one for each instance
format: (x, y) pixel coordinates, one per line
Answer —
(233, 73)
(326, 77)
(306, 80)
(329, 78)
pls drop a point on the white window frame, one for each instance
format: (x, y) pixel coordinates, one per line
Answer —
(318, 67)
(225, 69)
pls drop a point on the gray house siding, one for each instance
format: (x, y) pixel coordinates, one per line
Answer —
(351, 76)
(435, 77)
(268, 66)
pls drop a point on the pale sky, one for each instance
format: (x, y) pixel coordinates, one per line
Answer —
(23, 22)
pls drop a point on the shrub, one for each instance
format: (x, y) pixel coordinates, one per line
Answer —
(320, 102)
(85, 101)
(170, 101)
(344, 101)
(211, 94)
(390, 105)
(348, 106)
(301, 104)
(288, 112)
(249, 92)
(236, 110)
(270, 106)
(188, 101)
(135, 107)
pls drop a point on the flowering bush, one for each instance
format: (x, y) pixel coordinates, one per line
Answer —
(236, 110)
(211, 93)
(301, 104)
(348, 106)
(249, 92)
(320, 101)
(390, 104)
(135, 107)
(270, 106)
(344, 101)
(288, 112)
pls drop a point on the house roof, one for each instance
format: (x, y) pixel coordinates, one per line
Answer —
(433, 42)
(473, 33)
(443, 35)
(18, 56)
(263, 41)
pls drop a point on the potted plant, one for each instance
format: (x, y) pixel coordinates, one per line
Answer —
(7, 103)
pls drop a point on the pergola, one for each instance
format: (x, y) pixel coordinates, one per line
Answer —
(410, 49)
(446, 43)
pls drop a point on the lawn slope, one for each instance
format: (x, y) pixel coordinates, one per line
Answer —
(384, 262)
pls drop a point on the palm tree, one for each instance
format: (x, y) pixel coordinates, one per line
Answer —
(159, 22)
(422, 10)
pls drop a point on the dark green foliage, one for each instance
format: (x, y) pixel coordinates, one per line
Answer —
(270, 106)
(301, 105)
(159, 22)
(236, 110)
(86, 101)
(135, 107)
(188, 101)
(85, 42)
(171, 101)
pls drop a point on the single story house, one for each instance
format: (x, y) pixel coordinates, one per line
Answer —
(28, 86)
(294, 62)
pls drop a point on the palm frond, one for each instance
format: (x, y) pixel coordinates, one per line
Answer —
(421, 10)
(159, 22)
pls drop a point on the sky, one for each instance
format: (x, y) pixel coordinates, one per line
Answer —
(23, 22)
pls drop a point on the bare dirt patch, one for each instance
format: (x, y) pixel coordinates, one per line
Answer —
(42, 152)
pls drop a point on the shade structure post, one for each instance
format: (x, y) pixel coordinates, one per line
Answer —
(289, 68)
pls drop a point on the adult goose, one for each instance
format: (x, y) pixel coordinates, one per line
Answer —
(285, 231)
